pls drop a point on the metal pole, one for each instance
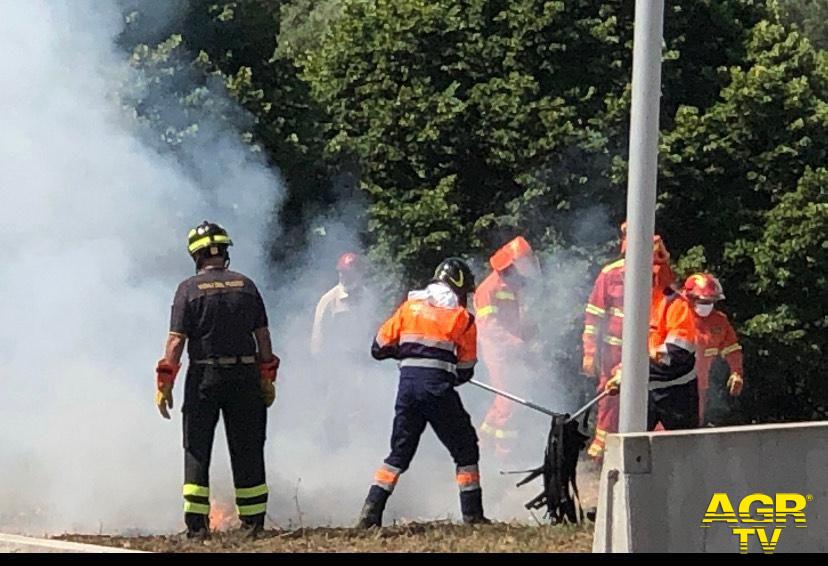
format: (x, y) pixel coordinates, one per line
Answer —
(583, 409)
(514, 398)
(641, 199)
(536, 407)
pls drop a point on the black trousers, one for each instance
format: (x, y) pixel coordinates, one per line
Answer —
(425, 400)
(419, 403)
(676, 408)
(233, 391)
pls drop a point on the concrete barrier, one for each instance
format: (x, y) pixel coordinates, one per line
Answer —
(656, 487)
(16, 543)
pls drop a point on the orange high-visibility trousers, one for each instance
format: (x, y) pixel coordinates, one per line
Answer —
(608, 407)
(502, 359)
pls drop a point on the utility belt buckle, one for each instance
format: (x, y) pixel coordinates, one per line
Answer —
(227, 361)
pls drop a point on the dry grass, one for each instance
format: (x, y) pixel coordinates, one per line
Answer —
(414, 537)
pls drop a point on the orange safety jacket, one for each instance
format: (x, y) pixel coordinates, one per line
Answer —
(604, 318)
(497, 307)
(715, 337)
(429, 340)
(672, 340)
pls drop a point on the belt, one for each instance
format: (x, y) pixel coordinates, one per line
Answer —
(226, 361)
(430, 364)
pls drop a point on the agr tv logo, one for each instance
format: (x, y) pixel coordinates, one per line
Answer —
(759, 515)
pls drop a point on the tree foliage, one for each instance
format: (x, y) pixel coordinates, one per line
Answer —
(746, 176)
(218, 52)
(479, 119)
(469, 121)
(810, 16)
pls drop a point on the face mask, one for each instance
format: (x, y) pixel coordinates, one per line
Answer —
(703, 310)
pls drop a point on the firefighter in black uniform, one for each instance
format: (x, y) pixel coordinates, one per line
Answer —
(232, 370)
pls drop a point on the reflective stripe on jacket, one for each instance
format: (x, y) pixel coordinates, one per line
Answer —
(497, 304)
(423, 335)
(716, 337)
(604, 316)
(672, 340)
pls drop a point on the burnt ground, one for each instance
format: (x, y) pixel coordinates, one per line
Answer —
(436, 536)
(433, 536)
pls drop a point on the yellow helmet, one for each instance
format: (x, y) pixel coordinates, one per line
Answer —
(208, 236)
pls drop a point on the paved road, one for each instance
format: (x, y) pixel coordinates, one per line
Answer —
(15, 543)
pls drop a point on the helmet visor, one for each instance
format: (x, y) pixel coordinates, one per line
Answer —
(528, 266)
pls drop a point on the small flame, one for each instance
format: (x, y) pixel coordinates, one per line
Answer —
(222, 515)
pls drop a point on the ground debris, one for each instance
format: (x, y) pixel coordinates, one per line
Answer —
(438, 536)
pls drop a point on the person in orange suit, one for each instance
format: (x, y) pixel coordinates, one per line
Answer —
(502, 336)
(673, 395)
(602, 340)
(715, 336)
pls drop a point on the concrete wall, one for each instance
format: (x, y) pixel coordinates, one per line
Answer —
(656, 487)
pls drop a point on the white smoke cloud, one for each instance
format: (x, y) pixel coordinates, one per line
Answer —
(93, 222)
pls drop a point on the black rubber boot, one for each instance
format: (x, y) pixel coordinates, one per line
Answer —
(592, 513)
(371, 515)
(471, 506)
(252, 526)
(198, 526)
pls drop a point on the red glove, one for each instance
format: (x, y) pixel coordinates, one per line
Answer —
(165, 372)
(267, 370)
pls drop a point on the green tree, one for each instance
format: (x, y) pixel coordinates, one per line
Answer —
(303, 24)
(466, 122)
(219, 56)
(788, 329)
(473, 120)
(744, 184)
(811, 16)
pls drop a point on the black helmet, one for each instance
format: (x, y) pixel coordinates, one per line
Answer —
(455, 273)
(208, 240)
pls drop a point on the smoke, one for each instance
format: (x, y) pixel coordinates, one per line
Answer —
(545, 369)
(332, 424)
(333, 428)
(93, 224)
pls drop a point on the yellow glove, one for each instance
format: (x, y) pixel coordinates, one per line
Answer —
(613, 386)
(660, 357)
(268, 391)
(735, 384)
(164, 399)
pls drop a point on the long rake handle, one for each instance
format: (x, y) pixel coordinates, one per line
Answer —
(536, 407)
(583, 409)
(515, 398)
